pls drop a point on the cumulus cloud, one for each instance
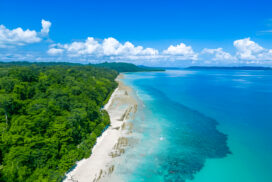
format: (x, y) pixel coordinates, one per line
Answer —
(182, 51)
(247, 49)
(219, 54)
(45, 27)
(113, 47)
(109, 47)
(18, 36)
(90, 46)
(91, 49)
(250, 50)
(55, 51)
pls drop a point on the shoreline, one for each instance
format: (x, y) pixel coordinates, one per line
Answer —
(121, 107)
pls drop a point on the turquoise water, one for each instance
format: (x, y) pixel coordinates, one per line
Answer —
(200, 126)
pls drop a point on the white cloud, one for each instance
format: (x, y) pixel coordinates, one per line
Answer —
(247, 49)
(112, 50)
(219, 54)
(250, 50)
(17, 36)
(109, 47)
(55, 51)
(113, 47)
(182, 52)
(90, 46)
(45, 27)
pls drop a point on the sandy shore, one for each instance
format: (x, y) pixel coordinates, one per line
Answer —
(112, 143)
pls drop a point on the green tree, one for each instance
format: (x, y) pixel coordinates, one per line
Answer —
(50, 117)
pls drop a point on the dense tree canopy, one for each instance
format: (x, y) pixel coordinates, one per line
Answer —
(50, 117)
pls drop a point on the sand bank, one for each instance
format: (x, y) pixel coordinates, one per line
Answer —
(112, 143)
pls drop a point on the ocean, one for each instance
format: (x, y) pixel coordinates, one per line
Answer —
(200, 126)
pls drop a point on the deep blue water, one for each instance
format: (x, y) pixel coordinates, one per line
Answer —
(200, 126)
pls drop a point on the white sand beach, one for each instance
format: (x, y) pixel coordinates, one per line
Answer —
(112, 143)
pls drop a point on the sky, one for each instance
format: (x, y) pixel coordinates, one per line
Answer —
(154, 33)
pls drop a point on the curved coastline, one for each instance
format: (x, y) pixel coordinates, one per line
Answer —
(112, 143)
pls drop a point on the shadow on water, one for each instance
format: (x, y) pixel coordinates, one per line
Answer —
(191, 137)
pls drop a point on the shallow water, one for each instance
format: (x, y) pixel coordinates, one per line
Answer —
(200, 126)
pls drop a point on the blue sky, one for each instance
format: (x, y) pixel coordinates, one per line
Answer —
(168, 32)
